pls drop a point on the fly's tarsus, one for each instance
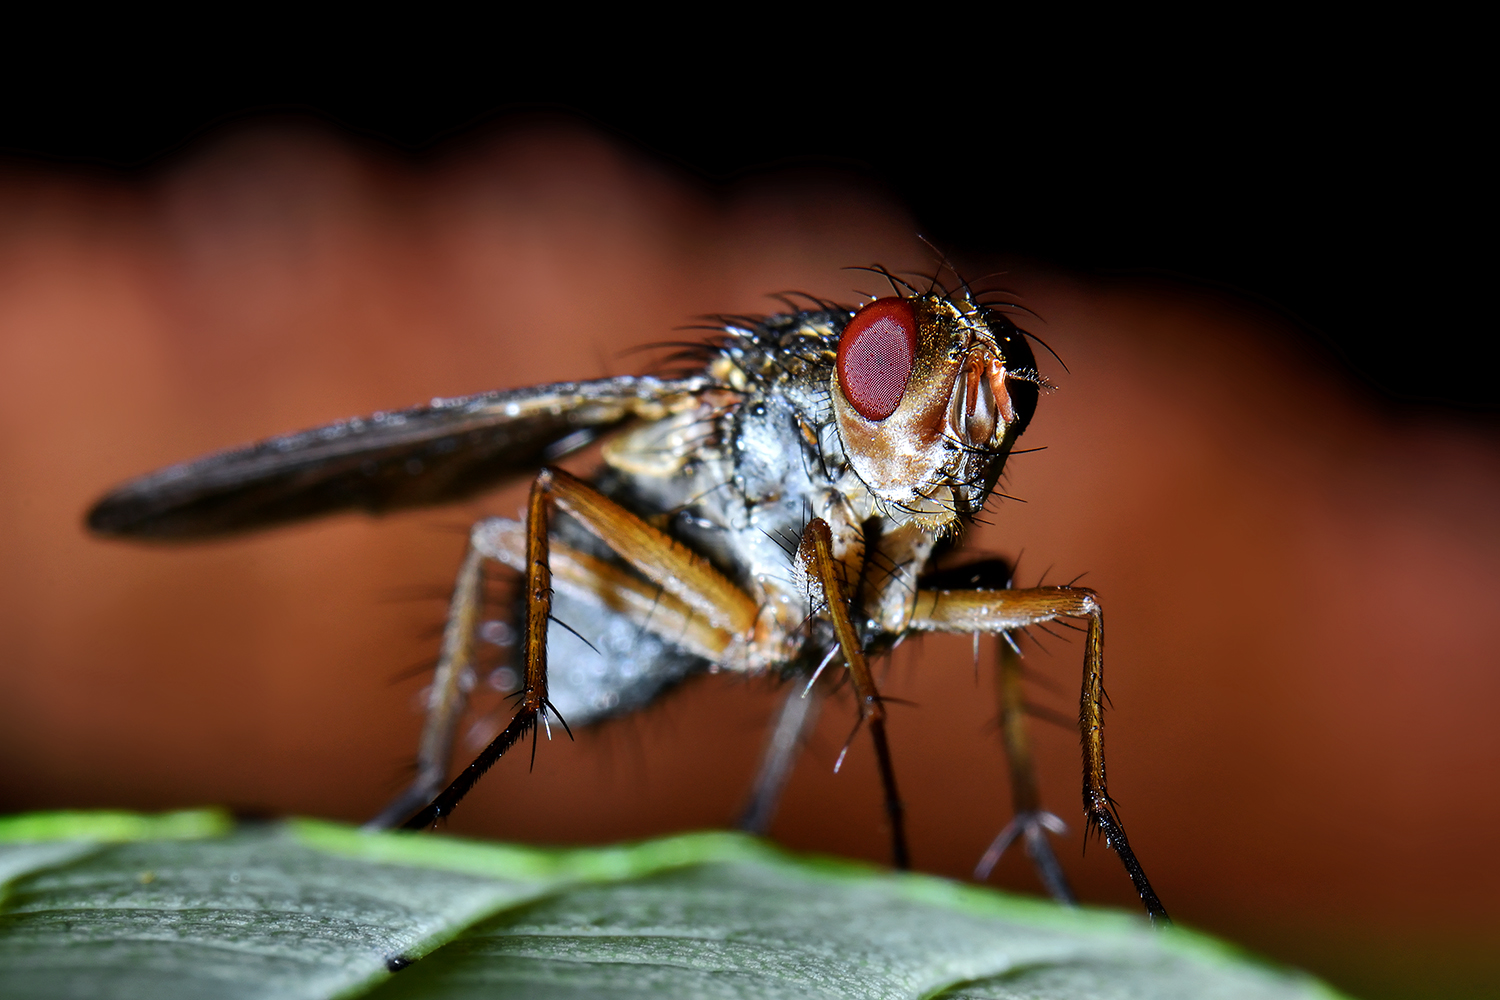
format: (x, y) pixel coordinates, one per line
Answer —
(447, 800)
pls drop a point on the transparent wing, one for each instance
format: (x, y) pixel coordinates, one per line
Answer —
(424, 455)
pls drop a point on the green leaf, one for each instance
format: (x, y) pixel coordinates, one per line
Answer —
(119, 905)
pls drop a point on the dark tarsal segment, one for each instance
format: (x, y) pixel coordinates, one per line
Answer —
(875, 357)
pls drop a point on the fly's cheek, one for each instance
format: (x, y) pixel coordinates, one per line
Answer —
(875, 357)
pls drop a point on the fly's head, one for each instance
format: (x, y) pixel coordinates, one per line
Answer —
(930, 393)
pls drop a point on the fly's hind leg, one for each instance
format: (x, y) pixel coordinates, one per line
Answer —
(448, 694)
(794, 720)
(710, 610)
(1028, 819)
(1003, 610)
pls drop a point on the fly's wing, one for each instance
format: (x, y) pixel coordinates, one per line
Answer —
(432, 454)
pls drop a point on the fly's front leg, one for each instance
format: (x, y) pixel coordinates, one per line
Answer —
(825, 580)
(695, 586)
(1002, 610)
(1028, 818)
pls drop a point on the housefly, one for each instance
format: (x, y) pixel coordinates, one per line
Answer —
(775, 506)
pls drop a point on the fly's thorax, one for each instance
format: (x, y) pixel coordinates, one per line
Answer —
(771, 450)
(889, 587)
(929, 393)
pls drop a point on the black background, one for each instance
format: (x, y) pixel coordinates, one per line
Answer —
(1334, 178)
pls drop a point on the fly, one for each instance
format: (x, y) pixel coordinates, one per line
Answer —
(776, 507)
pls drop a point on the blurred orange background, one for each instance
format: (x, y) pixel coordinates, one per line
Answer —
(1299, 576)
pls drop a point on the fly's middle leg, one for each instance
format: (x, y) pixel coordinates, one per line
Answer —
(794, 720)
(825, 579)
(1029, 821)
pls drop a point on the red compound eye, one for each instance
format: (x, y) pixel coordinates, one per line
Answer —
(875, 356)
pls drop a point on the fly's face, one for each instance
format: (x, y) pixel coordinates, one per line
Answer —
(930, 394)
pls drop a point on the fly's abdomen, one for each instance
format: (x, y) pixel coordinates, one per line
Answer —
(600, 663)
